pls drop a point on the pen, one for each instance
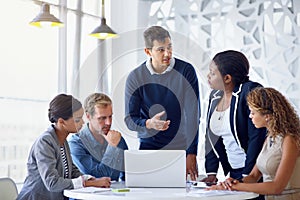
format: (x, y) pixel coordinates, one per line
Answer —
(120, 190)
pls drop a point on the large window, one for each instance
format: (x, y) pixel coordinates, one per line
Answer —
(28, 79)
(29, 75)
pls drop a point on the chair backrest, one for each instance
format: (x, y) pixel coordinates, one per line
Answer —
(8, 189)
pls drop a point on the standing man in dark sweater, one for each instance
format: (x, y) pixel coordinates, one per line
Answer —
(162, 100)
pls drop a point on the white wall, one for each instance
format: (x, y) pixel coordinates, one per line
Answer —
(267, 31)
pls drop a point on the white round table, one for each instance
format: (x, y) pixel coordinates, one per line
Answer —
(158, 194)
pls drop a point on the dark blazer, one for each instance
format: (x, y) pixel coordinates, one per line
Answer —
(249, 138)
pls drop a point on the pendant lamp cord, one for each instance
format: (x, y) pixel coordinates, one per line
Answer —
(103, 10)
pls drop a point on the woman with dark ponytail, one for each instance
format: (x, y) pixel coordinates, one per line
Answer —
(50, 169)
(231, 137)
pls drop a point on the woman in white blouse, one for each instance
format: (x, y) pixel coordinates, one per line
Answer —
(279, 160)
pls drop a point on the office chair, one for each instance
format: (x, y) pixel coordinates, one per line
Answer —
(8, 189)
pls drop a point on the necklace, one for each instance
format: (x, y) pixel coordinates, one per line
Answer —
(222, 111)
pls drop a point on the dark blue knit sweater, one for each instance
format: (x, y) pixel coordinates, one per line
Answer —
(177, 93)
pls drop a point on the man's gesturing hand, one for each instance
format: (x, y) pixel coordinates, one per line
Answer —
(156, 123)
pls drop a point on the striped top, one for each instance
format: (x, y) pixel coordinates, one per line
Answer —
(65, 162)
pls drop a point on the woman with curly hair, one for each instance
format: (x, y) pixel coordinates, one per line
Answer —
(279, 160)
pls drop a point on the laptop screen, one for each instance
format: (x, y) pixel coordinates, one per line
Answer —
(155, 168)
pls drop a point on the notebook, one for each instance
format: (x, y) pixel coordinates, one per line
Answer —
(155, 168)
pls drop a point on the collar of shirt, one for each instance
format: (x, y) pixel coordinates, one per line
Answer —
(152, 72)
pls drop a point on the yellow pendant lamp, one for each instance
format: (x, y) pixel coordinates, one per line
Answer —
(45, 19)
(103, 31)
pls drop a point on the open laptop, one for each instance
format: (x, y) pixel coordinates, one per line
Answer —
(155, 168)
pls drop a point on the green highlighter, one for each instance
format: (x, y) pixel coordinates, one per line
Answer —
(120, 189)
